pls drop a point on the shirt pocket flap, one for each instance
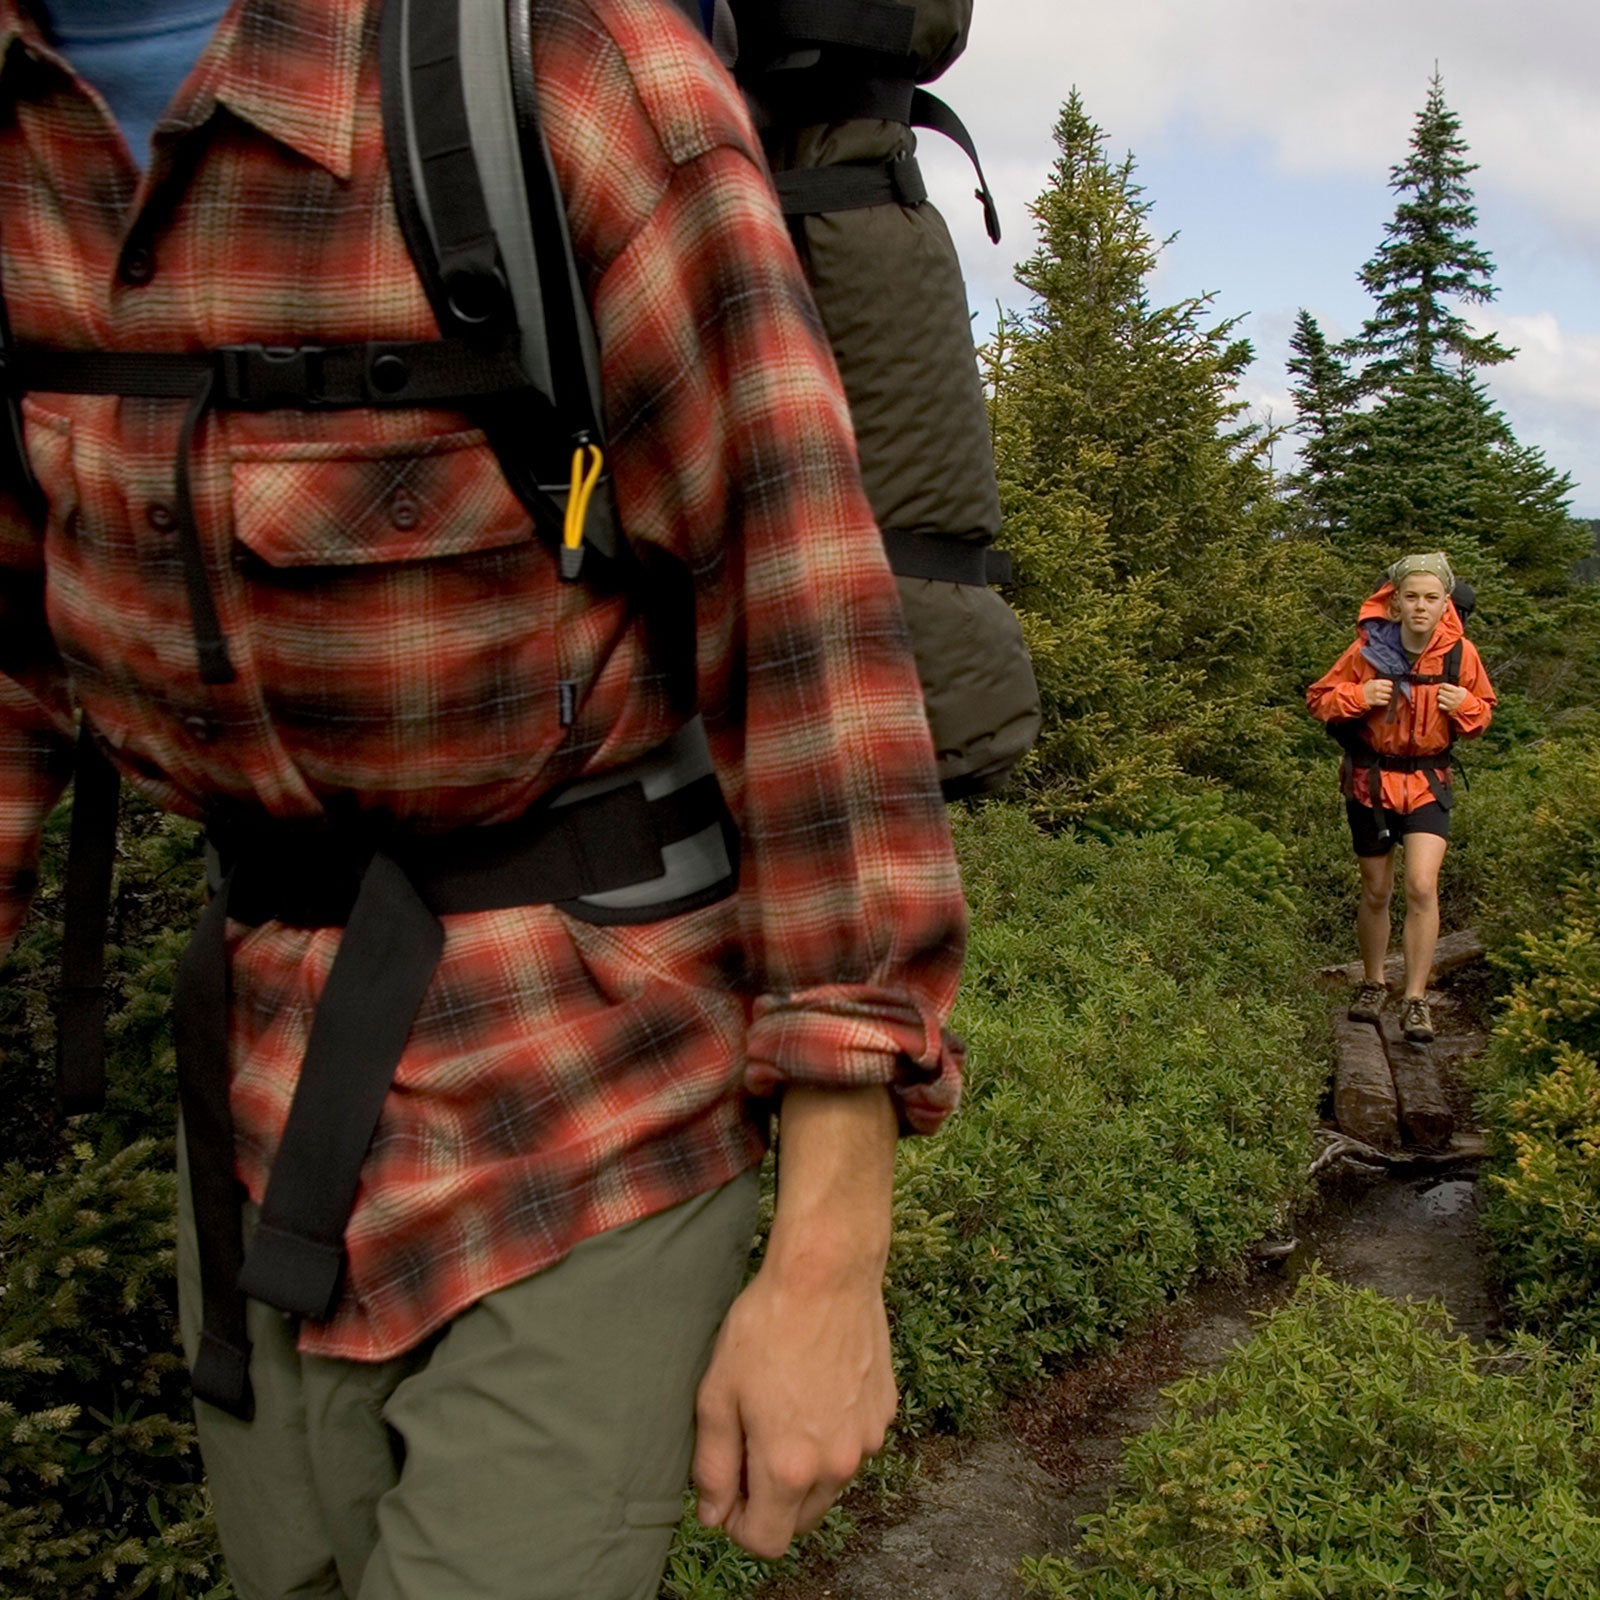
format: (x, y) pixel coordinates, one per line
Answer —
(342, 504)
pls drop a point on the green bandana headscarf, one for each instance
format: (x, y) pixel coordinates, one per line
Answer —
(1435, 561)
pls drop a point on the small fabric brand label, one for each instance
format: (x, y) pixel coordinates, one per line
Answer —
(569, 700)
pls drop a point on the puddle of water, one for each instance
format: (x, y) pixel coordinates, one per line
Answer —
(1449, 1200)
(1409, 1238)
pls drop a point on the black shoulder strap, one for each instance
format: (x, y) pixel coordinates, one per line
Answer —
(483, 217)
(1452, 662)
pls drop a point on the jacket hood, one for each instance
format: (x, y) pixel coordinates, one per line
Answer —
(1375, 608)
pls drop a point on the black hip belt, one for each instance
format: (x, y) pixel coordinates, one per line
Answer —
(1439, 761)
(1362, 756)
(648, 842)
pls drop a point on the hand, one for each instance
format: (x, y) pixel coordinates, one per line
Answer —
(1450, 696)
(799, 1391)
(800, 1386)
(1378, 691)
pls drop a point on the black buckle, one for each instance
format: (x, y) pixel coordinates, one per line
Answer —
(259, 377)
(905, 179)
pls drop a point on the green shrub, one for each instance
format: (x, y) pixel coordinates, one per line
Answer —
(1207, 826)
(98, 1491)
(1539, 1099)
(1543, 811)
(1138, 1108)
(99, 1478)
(1352, 1450)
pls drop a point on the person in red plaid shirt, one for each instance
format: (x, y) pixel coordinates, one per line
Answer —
(553, 1214)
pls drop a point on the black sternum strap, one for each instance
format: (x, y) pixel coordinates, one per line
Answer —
(377, 373)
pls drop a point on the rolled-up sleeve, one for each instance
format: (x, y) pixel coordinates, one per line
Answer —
(734, 453)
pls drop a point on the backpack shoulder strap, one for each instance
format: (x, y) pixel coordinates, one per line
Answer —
(1452, 662)
(483, 217)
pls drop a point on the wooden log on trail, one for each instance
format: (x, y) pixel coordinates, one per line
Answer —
(1426, 1120)
(1364, 1101)
(1454, 951)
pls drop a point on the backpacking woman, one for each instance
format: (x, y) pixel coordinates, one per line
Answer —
(1396, 700)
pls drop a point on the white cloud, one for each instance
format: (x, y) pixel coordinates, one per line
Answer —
(1551, 364)
(1328, 88)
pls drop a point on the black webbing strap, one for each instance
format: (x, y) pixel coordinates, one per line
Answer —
(812, 191)
(81, 998)
(221, 1370)
(881, 27)
(915, 554)
(392, 943)
(929, 111)
(388, 898)
(254, 377)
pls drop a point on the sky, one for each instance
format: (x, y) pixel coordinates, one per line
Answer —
(1264, 134)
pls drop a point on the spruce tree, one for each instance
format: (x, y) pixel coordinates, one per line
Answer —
(1408, 452)
(1322, 389)
(1428, 260)
(1139, 508)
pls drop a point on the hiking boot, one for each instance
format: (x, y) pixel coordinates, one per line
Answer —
(1367, 1001)
(1415, 1021)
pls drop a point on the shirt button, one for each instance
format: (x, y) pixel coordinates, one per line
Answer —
(138, 265)
(201, 729)
(403, 511)
(161, 516)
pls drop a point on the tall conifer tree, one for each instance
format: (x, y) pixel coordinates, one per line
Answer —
(1138, 505)
(1322, 390)
(1428, 259)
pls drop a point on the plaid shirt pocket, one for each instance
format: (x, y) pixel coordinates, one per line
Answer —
(401, 611)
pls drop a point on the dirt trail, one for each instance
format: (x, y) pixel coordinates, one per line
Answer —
(1020, 1488)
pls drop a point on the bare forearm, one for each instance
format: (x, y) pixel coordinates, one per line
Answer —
(835, 1185)
(800, 1386)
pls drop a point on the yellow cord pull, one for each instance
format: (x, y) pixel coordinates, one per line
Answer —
(587, 462)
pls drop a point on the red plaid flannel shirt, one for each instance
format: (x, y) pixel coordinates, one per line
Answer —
(401, 636)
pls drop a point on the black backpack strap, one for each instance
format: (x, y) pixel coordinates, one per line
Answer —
(481, 212)
(1452, 662)
(929, 111)
(915, 554)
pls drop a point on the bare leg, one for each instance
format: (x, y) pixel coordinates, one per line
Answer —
(1372, 919)
(1424, 855)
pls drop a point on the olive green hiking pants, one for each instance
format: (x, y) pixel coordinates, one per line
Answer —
(535, 1449)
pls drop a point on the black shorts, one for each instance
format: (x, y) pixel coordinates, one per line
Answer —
(1431, 818)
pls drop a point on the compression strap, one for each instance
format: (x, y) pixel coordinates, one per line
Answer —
(812, 191)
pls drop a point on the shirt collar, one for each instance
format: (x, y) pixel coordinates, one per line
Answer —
(288, 67)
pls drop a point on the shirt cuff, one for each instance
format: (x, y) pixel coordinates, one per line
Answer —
(854, 1037)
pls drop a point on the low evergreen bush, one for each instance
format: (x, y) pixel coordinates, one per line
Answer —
(1138, 1107)
(99, 1478)
(1353, 1451)
(1540, 1102)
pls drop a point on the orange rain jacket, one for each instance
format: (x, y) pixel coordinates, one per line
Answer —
(1409, 725)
